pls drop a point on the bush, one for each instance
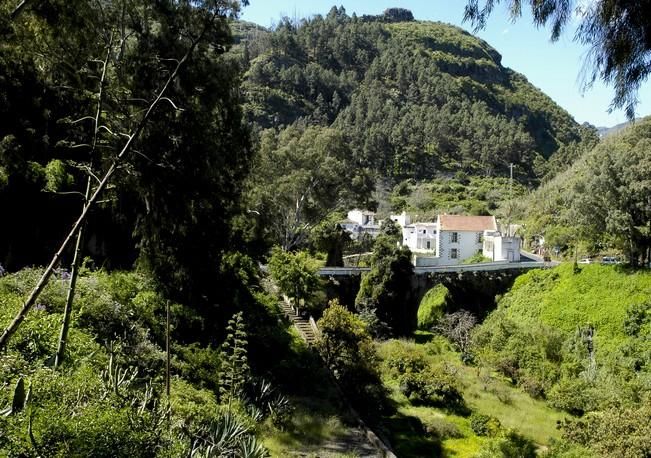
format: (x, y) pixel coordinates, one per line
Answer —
(509, 445)
(533, 387)
(402, 361)
(574, 395)
(431, 387)
(484, 425)
(442, 429)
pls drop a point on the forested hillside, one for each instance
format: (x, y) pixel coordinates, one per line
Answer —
(413, 98)
(601, 202)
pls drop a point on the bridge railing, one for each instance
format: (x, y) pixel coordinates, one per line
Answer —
(480, 267)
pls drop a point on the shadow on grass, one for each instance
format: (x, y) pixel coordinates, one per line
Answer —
(423, 337)
(408, 437)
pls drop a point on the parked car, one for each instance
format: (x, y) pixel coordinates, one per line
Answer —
(585, 261)
(609, 260)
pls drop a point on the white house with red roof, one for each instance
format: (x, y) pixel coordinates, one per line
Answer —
(453, 238)
(461, 237)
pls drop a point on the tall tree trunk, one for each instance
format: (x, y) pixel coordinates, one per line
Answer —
(74, 271)
(67, 311)
(135, 133)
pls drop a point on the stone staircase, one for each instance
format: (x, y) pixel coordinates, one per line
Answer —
(305, 328)
(361, 439)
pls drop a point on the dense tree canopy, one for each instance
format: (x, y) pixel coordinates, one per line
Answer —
(413, 99)
(602, 201)
(195, 147)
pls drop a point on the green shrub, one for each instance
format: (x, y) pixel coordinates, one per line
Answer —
(402, 361)
(574, 395)
(477, 258)
(432, 307)
(442, 429)
(614, 432)
(484, 425)
(509, 445)
(431, 387)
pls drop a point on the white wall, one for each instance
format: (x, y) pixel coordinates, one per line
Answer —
(503, 248)
(403, 219)
(416, 236)
(466, 246)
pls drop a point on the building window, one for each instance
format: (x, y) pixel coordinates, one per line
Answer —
(480, 237)
(454, 253)
(424, 231)
(428, 245)
(454, 237)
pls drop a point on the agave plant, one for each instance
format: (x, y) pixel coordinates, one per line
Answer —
(227, 437)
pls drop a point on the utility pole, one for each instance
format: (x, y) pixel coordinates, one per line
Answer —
(508, 220)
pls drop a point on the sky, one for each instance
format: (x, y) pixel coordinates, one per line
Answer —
(555, 68)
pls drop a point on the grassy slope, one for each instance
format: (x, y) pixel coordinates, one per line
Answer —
(597, 295)
(484, 393)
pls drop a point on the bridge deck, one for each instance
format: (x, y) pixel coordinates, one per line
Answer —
(482, 267)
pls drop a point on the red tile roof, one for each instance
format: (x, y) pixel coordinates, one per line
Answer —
(467, 223)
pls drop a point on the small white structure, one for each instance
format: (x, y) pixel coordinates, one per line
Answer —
(402, 220)
(461, 237)
(360, 222)
(421, 238)
(498, 247)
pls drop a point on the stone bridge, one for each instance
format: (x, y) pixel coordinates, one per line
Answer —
(472, 287)
(481, 267)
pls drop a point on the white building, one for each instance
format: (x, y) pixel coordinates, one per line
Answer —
(402, 220)
(360, 222)
(498, 247)
(461, 237)
(421, 238)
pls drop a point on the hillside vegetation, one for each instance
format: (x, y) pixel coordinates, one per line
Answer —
(413, 98)
(580, 340)
(601, 203)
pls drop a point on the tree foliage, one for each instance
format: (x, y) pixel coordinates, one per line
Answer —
(300, 176)
(295, 274)
(601, 202)
(346, 345)
(617, 33)
(385, 287)
(446, 104)
(54, 51)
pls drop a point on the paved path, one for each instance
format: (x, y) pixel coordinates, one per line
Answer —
(359, 441)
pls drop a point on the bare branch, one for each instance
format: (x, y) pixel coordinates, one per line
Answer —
(31, 300)
(19, 8)
(85, 118)
(167, 99)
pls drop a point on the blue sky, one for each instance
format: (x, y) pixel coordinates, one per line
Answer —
(555, 68)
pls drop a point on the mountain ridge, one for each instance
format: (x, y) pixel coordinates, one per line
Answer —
(414, 98)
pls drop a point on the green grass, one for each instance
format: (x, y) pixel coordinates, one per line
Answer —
(432, 306)
(483, 392)
(596, 295)
(314, 423)
(514, 408)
